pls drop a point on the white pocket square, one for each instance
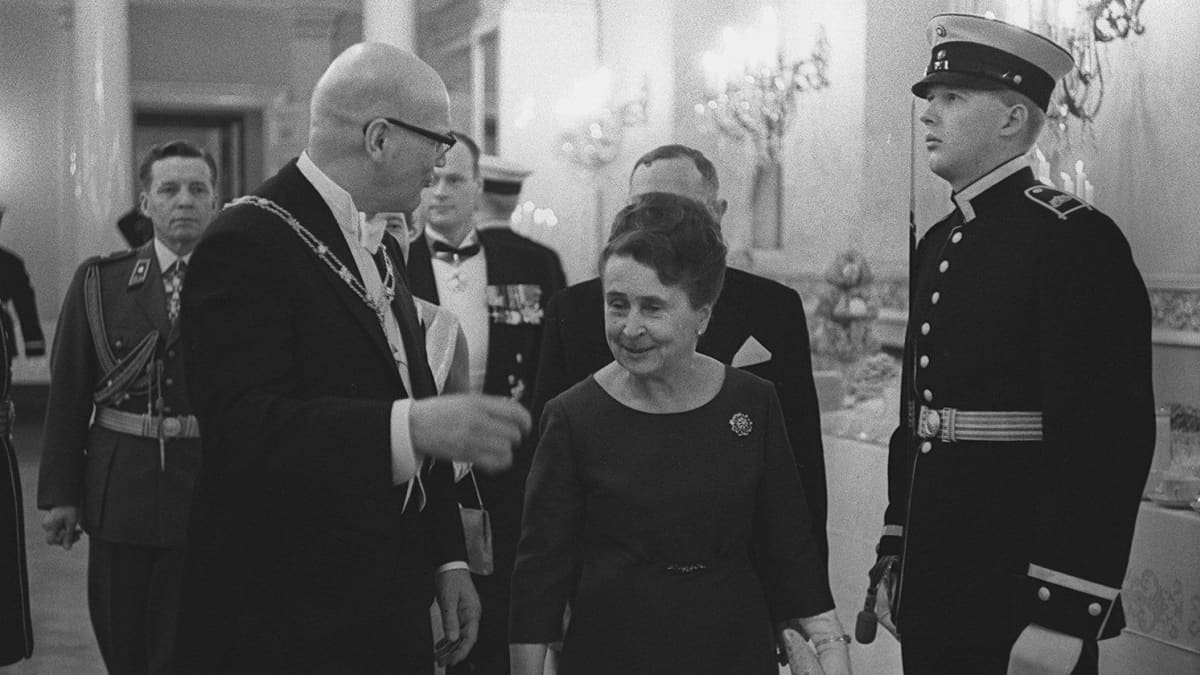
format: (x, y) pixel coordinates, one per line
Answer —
(751, 353)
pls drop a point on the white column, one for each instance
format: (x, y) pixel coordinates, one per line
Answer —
(390, 21)
(99, 154)
(311, 50)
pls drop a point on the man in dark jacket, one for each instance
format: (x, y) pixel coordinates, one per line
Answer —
(319, 535)
(1027, 414)
(496, 282)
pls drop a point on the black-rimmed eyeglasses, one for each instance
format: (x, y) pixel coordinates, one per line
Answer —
(444, 141)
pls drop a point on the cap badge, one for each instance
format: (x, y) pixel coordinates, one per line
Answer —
(940, 30)
(941, 54)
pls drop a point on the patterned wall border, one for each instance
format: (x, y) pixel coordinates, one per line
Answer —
(1174, 302)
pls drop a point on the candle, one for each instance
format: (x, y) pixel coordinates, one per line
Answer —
(1080, 179)
(1087, 191)
(1066, 180)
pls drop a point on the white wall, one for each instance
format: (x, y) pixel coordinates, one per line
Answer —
(34, 82)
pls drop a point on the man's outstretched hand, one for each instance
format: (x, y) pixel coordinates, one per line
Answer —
(475, 428)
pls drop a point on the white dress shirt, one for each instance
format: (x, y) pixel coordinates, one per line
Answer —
(462, 289)
(167, 257)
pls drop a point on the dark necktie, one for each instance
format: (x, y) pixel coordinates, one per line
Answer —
(173, 284)
(450, 254)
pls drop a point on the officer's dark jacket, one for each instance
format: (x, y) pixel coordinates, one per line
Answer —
(1026, 299)
(15, 288)
(524, 274)
(126, 495)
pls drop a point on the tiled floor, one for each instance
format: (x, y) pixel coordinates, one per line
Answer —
(63, 643)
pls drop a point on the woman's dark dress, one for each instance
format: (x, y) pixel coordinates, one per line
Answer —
(676, 540)
(16, 632)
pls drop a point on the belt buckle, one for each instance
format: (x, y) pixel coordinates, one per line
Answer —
(171, 426)
(930, 423)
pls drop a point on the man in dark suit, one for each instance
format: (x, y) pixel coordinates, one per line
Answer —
(757, 324)
(1027, 407)
(15, 288)
(319, 536)
(121, 448)
(494, 281)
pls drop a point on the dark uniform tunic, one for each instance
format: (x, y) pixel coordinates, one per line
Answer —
(15, 288)
(521, 276)
(1026, 299)
(134, 491)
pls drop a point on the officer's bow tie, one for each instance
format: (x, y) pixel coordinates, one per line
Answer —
(448, 253)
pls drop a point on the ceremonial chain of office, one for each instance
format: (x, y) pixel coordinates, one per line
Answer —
(378, 305)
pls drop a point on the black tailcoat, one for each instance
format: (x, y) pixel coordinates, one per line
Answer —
(1029, 302)
(749, 306)
(513, 352)
(301, 558)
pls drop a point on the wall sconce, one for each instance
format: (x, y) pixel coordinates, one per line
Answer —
(595, 124)
(751, 89)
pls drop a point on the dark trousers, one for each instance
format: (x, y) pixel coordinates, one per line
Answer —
(953, 656)
(133, 598)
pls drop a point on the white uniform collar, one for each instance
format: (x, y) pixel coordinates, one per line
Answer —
(963, 197)
(167, 257)
(340, 203)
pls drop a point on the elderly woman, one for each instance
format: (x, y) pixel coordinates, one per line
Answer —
(663, 504)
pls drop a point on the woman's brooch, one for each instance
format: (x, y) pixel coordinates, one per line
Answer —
(741, 424)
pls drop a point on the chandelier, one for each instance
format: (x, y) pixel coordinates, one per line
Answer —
(751, 84)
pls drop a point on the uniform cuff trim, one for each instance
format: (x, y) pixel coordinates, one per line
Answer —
(1073, 583)
(893, 530)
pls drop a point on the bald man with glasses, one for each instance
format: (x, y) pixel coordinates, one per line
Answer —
(322, 526)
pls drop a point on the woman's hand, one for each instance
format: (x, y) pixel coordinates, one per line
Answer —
(829, 640)
(1041, 651)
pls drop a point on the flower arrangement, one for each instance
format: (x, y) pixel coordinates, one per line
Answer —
(841, 331)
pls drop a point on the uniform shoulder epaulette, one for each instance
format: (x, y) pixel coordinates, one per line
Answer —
(1062, 204)
(111, 257)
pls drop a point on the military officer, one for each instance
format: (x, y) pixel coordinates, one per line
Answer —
(15, 288)
(1027, 418)
(122, 448)
(496, 282)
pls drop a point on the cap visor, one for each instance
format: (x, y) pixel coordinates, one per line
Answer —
(953, 79)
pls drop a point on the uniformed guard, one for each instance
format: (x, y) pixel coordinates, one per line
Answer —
(16, 288)
(122, 447)
(1027, 417)
(501, 193)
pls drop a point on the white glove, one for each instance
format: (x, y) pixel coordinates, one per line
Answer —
(829, 640)
(1041, 651)
(883, 604)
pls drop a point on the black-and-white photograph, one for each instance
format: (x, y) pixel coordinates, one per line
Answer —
(599, 337)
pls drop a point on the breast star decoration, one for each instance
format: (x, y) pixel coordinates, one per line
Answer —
(741, 424)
